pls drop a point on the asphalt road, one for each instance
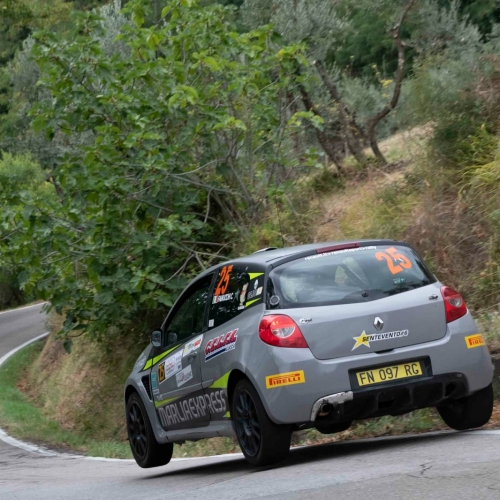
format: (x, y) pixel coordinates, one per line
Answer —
(431, 466)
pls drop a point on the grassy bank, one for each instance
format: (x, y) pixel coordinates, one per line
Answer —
(23, 419)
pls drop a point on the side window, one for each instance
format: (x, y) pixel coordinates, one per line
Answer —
(188, 319)
(236, 288)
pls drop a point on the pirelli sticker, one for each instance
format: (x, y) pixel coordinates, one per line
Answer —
(474, 341)
(282, 379)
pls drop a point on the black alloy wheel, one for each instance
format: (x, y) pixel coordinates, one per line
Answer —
(137, 430)
(262, 441)
(145, 448)
(247, 424)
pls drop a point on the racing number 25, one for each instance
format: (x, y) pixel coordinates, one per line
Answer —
(225, 274)
(391, 255)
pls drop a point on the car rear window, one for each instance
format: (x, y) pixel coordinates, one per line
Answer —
(347, 276)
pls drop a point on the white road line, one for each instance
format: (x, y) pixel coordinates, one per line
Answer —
(32, 448)
(3, 359)
(483, 432)
(25, 446)
(24, 307)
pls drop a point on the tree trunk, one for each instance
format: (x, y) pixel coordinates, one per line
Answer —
(323, 137)
(353, 132)
(374, 121)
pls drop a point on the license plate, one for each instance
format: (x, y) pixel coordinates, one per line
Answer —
(388, 373)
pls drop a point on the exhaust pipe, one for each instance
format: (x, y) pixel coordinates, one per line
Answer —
(329, 403)
(325, 409)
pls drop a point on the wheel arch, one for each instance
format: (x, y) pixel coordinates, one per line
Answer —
(234, 377)
(129, 390)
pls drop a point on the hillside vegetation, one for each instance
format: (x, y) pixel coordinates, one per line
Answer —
(140, 145)
(82, 392)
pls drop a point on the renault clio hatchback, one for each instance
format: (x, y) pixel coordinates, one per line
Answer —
(312, 336)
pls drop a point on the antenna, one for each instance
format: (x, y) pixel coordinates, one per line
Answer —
(279, 222)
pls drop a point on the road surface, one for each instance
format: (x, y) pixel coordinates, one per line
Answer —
(431, 466)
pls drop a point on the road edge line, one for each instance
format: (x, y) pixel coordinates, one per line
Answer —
(23, 307)
(26, 446)
(32, 448)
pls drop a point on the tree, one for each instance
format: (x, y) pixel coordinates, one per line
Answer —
(172, 147)
(18, 173)
(321, 24)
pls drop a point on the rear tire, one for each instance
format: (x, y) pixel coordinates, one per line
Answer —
(261, 440)
(468, 412)
(145, 448)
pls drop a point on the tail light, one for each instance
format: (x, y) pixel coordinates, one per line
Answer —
(454, 304)
(281, 331)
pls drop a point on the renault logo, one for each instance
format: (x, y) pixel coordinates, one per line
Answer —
(378, 323)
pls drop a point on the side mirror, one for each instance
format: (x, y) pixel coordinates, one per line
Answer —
(156, 338)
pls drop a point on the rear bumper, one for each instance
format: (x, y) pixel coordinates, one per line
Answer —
(398, 398)
(452, 363)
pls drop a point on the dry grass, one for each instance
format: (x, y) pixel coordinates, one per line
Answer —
(82, 391)
(350, 213)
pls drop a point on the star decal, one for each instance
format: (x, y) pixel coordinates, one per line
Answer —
(363, 339)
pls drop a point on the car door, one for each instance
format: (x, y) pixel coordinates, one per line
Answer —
(176, 379)
(238, 289)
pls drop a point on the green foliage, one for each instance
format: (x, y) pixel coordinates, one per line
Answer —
(450, 92)
(18, 19)
(483, 13)
(172, 136)
(18, 174)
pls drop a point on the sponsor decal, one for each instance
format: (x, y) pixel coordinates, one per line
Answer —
(243, 296)
(399, 281)
(220, 345)
(256, 290)
(336, 252)
(289, 378)
(170, 366)
(365, 339)
(192, 345)
(474, 341)
(154, 383)
(222, 298)
(184, 376)
(194, 408)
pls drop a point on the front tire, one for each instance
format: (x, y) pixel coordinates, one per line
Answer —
(145, 448)
(468, 412)
(261, 440)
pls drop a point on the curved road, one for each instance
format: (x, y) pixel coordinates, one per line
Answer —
(437, 465)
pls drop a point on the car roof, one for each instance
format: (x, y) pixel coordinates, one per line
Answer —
(264, 257)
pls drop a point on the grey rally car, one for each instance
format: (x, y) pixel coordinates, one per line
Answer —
(313, 336)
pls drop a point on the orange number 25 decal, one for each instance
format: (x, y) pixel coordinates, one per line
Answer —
(395, 261)
(225, 274)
